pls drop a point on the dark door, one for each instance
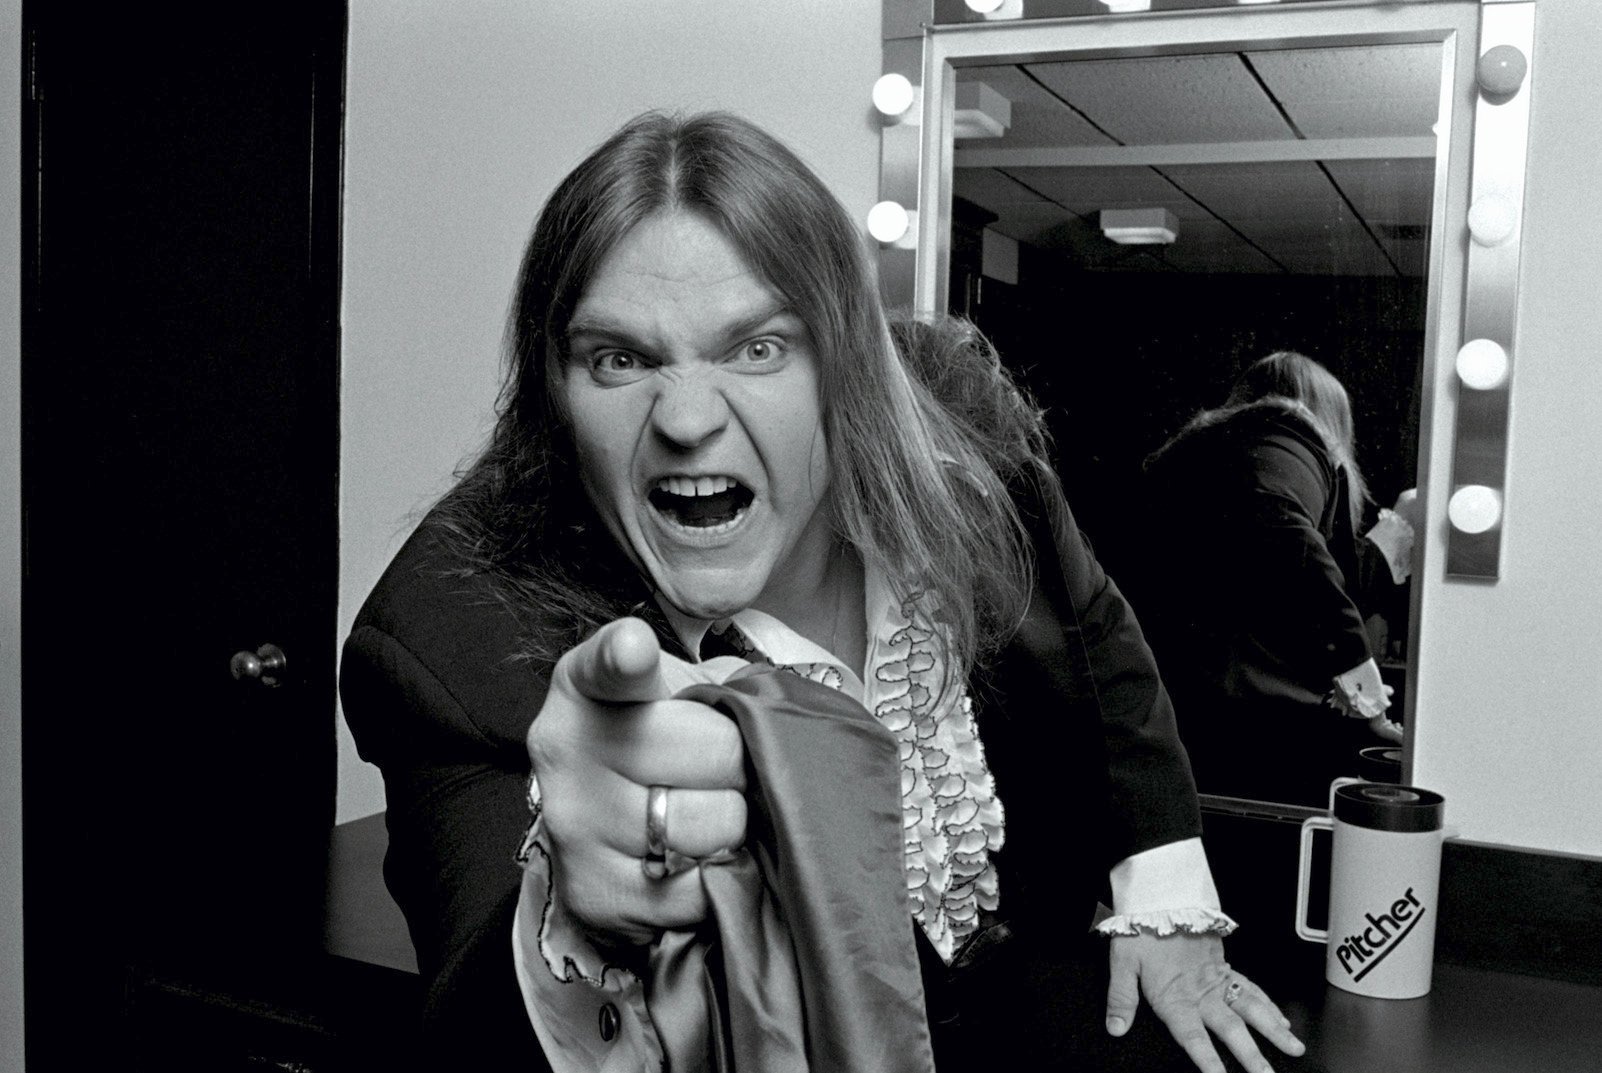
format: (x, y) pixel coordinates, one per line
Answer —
(180, 451)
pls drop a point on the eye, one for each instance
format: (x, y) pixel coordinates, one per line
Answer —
(761, 354)
(616, 366)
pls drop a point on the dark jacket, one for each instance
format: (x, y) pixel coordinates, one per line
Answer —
(1246, 598)
(1077, 728)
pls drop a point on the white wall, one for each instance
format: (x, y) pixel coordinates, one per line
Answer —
(461, 118)
(1510, 729)
(10, 546)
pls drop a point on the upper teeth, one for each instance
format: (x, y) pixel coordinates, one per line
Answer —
(694, 486)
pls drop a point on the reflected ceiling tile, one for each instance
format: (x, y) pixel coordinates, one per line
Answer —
(1076, 240)
(1092, 189)
(1347, 249)
(1411, 255)
(1168, 100)
(1393, 191)
(989, 188)
(1374, 91)
(1364, 259)
(1209, 246)
(1288, 190)
(1028, 222)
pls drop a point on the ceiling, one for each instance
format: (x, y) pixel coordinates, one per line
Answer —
(1305, 162)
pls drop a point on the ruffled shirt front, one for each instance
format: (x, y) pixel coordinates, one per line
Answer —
(954, 821)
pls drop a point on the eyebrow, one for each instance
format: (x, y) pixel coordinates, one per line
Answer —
(610, 330)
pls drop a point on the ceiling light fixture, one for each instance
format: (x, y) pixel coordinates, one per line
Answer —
(980, 112)
(1140, 227)
(1121, 7)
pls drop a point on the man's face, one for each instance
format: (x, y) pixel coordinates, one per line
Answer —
(693, 392)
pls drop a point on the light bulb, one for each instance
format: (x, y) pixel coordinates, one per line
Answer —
(893, 94)
(984, 7)
(1474, 508)
(1491, 220)
(1482, 364)
(1501, 71)
(890, 223)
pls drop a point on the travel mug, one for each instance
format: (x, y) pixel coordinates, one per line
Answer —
(1385, 874)
(1380, 763)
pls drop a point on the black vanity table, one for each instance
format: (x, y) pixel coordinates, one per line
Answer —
(1475, 1020)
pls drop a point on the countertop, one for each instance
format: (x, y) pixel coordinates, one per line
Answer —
(1473, 1021)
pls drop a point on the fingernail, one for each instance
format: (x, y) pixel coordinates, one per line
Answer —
(1117, 1025)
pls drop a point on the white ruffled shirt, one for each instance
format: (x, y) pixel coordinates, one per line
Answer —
(591, 1017)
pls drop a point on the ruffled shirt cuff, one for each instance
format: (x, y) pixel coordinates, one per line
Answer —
(1393, 536)
(1360, 692)
(1165, 890)
(589, 1016)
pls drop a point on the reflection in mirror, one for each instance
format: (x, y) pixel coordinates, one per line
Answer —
(1292, 192)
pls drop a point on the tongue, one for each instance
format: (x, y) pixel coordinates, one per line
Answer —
(704, 511)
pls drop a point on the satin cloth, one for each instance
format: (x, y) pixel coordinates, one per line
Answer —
(808, 959)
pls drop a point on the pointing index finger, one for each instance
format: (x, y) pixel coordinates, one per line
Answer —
(617, 664)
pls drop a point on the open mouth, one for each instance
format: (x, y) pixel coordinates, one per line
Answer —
(707, 504)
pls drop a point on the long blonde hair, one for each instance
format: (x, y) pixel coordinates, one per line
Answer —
(1324, 403)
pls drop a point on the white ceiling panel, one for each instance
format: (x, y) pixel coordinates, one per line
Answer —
(1038, 118)
(1380, 90)
(1168, 100)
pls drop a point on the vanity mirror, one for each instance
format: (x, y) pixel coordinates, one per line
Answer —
(1135, 207)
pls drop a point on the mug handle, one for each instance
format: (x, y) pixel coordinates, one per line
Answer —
(1336, 784)
(1304, 867)
(1304, 872)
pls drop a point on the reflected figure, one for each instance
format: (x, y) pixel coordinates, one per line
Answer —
(1252, 514)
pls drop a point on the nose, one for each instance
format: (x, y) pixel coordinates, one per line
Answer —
(690, 410)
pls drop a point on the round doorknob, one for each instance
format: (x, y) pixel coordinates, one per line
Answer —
(265, 665)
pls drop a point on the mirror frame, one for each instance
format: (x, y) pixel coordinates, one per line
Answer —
(1480, 153)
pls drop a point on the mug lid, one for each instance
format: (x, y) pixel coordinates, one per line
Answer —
(1385, 807)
